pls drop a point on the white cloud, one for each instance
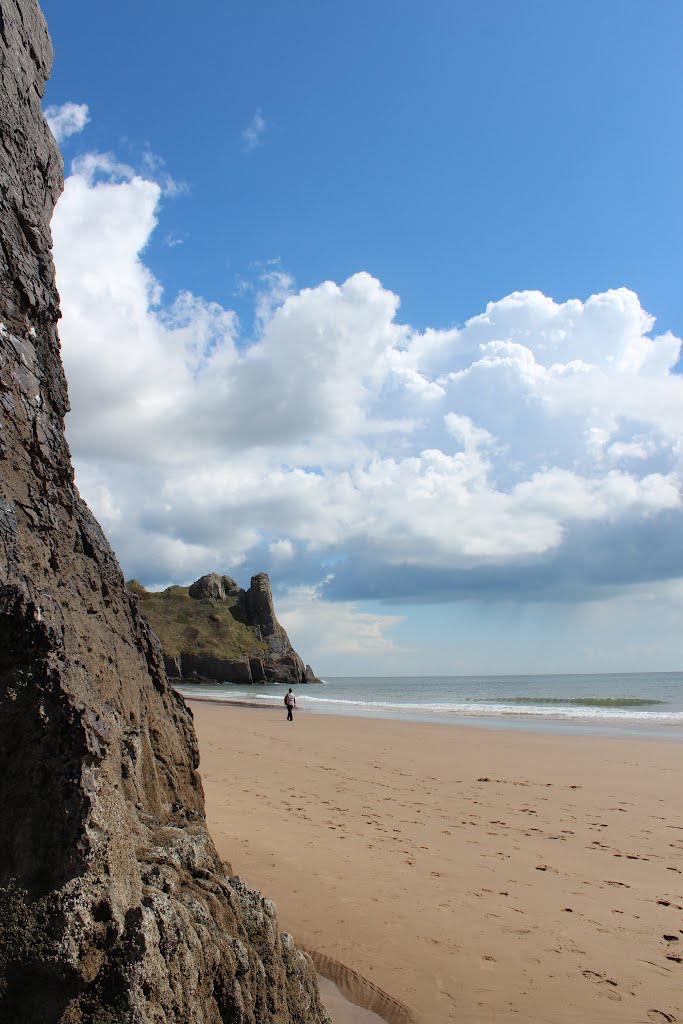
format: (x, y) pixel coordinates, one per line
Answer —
(464, 430)
(253, 134)
(326, 631)
(67, 119)
(281, 550)
(341, 433)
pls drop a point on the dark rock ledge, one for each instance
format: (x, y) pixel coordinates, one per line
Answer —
(114, 906)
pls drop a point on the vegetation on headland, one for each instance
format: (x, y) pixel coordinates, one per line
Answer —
(204, 627)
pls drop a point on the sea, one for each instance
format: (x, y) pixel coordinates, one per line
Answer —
(632, 704)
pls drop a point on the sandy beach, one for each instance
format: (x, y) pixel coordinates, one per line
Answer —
(472, 874)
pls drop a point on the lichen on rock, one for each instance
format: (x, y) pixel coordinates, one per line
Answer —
(114, 905)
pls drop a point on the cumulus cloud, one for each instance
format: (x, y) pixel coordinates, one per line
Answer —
(253, 133)
(281, 550)
(67, 119)
(336, 630)
(535, 449)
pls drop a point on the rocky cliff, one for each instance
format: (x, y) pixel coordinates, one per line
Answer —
(114, 907)
(215, 630)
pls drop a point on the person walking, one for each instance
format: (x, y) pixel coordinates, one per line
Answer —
(290, 701)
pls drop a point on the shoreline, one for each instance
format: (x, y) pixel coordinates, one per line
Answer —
(651, 732)
(260, 705)
(472, 874)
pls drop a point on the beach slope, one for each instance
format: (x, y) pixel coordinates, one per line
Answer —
(475, 875)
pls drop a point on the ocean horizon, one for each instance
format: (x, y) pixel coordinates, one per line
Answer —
(636, 703)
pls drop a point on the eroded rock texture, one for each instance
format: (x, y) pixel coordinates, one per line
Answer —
(114, 907)
(283, 663)
(272, 660)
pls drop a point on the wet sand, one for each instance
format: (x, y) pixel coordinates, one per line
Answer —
(472, 875)
(341, 1010)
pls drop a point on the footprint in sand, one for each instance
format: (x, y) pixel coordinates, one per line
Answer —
(659, 1017)
(600, 979)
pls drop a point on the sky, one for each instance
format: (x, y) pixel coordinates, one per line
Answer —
(384, 299)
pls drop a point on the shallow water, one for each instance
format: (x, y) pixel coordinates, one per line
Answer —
(340, 1009)
(645, 703)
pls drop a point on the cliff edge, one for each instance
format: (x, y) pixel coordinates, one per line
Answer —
(114, 906)
(214, 630)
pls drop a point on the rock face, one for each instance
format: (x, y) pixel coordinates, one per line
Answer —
(283, 664)
(215, 588)
(114, 906)
(216, 631)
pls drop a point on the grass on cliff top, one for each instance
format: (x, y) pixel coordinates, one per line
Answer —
(187, 626)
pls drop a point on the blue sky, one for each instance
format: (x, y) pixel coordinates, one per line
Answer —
(441, 486)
